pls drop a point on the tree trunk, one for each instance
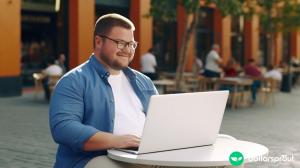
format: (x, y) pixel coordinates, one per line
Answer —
(270, 49)
(183, 52)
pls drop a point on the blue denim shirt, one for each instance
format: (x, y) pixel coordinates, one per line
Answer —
(83, 104)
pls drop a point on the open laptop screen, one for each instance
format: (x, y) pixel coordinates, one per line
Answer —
(177, 121)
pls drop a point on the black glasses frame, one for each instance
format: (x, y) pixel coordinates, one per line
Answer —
(122, 44)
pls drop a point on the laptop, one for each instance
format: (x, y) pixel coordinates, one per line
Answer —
(180, 121)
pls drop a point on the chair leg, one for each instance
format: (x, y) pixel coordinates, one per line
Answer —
(233, 100)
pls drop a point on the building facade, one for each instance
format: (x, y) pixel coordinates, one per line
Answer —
(32, 31)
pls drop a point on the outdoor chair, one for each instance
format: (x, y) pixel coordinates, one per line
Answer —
(269, 87)
(235, 94)
(190, 84)
(52, 80)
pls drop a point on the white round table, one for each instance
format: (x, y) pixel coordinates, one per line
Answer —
(213, 155)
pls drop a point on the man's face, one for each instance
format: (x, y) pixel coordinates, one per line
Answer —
(112, 56)
(217, 49)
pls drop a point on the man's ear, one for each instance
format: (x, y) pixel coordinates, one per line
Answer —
(98, 41)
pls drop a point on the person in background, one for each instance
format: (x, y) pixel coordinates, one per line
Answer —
(295, 61)
(295, 75)
(273, 73)
(51, 70)
(253, 71)
(283, 66)
(230, 69)
(199, 65)
(102, 103)
(213, 63)
(61, 62)
(148, 63)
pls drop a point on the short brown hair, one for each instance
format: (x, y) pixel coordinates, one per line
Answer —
(106, 22)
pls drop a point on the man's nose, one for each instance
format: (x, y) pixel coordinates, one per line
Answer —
(128, 48)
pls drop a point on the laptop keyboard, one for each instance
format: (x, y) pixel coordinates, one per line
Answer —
(132, 148)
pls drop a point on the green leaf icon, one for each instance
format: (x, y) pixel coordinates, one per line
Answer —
(236, 158)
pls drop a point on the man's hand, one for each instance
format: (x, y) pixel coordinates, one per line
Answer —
(125, 141)
(104, 140)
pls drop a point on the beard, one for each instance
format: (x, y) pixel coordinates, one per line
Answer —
(119, 61)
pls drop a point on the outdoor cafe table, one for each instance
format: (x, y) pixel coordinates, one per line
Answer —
(239, 85)
(211, 155)
(162, 85)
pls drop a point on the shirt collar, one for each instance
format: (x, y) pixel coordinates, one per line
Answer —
(100, 69)
(129, 73)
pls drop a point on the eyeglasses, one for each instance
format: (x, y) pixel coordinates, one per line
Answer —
(122, 44)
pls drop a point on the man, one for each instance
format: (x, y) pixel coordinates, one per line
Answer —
(253, 71)
(213, 63)
(51, 70)
(102, 103)
(295, 74)
(148, 62)
(61, 62)
(273, 73)
(199, 65)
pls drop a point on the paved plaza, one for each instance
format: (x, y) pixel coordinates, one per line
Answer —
(25, 140)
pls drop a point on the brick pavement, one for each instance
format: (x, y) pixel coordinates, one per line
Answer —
(276, 127)
(25, 140)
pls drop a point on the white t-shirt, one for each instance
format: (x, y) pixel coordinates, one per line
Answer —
(53, 70)
(211, 63)
(148, 63)
(129, 117)
(275, 74)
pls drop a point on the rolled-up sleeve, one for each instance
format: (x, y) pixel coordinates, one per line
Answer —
(66, 114)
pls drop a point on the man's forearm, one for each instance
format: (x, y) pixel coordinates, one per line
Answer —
(103, 141)
(99, 141)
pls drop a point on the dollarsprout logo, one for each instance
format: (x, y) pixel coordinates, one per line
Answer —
(236, 158)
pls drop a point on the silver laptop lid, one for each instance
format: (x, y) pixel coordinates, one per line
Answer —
(184, 120)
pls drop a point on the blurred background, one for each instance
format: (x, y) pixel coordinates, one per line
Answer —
(34, 30)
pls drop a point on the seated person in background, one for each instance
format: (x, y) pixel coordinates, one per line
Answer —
(213, 63)
(273, 73)
(231, 68)
(148, 62)
(199, 65)
(253, 71)
(61, 62)
(52, 70)
(295, 75)
(295, 62)
(283, 67)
